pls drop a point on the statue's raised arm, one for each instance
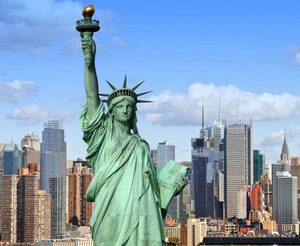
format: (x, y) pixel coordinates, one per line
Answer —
(87, 27)
(90, 75)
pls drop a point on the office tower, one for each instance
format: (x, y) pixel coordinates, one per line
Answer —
(238, 164)
(154, 156)
(165, 153)
(31, 140)
(216, 133)
(30, 145)
(79, 178)
(282, 165)
(258, 164)
(295, 171)
(287, 202)
(242, 203)
(53, 174)
(12, 158)
(208, 167)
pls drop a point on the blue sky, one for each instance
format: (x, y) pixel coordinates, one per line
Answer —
(245, 52)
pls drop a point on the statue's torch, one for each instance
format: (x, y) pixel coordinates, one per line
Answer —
(87, 27)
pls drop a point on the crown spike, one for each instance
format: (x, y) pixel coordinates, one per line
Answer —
(138, 85)
(125, 82)
(143, 93)
(111, 86)
(144, 101)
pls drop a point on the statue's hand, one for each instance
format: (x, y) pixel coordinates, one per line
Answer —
(88, 47)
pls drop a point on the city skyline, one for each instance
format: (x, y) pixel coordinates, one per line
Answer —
(244, 54)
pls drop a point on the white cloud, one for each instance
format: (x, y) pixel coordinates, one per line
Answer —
(17, 90)
(35, 114)
(185, 108)
(32, 114)
(273, 138)
(34, 26)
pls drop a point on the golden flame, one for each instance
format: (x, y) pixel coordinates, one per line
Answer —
(88, 11)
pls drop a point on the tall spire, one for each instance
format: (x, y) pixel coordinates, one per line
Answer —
(219, 116)
(285, 153)
(203, 131)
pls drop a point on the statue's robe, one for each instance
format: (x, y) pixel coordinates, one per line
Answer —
(127, 207)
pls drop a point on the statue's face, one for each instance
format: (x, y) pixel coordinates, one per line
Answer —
(123, 111)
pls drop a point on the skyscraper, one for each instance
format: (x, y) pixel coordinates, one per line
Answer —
(282, 165)
(25, 208)
(207, 161)
(284, 195)
(53, 174)
(30, 144)
(238, 164)
(295, 171)
(287, 202)
(9, 207)
(165, 153)
(12, 158)
(258, 165)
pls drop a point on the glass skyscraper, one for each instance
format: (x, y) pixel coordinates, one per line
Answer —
(53, 174)
(12, 158)
(258, 164)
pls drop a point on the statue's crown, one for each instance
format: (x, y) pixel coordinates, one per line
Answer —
(124, 91)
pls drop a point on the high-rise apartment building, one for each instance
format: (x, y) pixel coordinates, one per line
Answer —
(238, 164)
(25, 211)
(53, 174)
(9, 187)
(79, 178)
(258, 164)
(12, 158)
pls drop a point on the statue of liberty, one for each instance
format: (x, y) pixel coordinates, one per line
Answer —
(125, 188)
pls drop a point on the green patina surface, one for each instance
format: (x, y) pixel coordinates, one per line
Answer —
(129, 195)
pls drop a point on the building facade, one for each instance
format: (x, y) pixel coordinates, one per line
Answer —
(12, 158)
(79, 178)
(238, 164)
(258, 165)
(30, 145)
(53, 174)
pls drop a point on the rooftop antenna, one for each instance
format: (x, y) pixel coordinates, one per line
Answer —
(219, 119)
